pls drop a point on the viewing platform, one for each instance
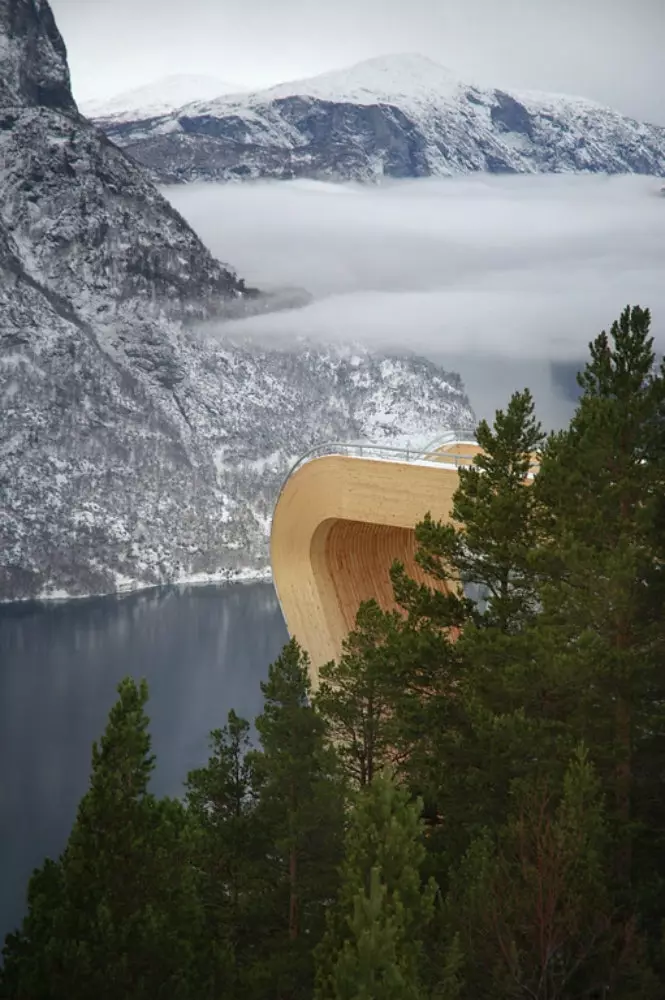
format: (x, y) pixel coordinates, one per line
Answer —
(344, 514)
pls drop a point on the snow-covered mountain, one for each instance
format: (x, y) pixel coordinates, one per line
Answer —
(395, 116)
(158, 98)
(138, 446)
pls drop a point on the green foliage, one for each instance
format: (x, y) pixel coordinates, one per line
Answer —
(493, 529)
(572, 654)
(301, 803)
(449, 981)
(533, 900)
(31, 955)
(602, 487)
(357, 695)
(561, 643)
(469, 718)
(373, 944)
(227, 847)
(369, 967)
(117, 915)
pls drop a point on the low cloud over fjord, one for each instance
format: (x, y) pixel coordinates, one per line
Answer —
(500, 276)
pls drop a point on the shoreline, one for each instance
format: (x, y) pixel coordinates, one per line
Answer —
(126, 588)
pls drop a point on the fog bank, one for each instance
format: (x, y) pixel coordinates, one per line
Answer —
(495, 276)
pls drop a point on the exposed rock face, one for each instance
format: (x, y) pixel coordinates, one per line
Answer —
(33, 58)
(134, 450)
(396, 116)
(90, 222)
(108, 476)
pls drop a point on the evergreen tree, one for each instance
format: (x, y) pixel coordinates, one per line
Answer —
(492, 530)
(602, 486)
(477, 716)
(373, 945)
(301, 803)
(449, 982)
(571, 648)
(227, 846)
(31, 955)
(532, 900)
(488, 548)
(357, 695)
(115, 917)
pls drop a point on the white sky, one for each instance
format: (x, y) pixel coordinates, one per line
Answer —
(609, 50)
(495, 276)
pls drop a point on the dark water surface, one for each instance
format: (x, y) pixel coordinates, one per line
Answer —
(203, 651)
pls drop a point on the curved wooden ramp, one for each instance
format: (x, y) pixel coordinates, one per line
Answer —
(339, 523)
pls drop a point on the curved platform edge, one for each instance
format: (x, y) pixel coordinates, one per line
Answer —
(339, 524)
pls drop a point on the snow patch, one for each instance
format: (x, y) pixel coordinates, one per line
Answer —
(158, 98)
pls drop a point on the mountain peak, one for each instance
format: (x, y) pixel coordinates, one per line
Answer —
(381, 79)
(401, 62)
(33, 58)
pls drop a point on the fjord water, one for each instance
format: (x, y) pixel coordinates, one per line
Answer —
(203, 651)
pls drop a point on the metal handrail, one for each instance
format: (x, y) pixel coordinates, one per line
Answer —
(365, 449)
(457, 436)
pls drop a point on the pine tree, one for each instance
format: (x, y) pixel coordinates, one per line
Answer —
(369, 966)
(227, 846)
(357, 695)
(486, 544)
(301, 803)
(373, 944)
(532, 901)
(449, 982)
(31, 955)
(602, 485)
(478, 713)
(115, 917)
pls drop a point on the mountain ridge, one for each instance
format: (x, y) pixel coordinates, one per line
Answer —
(398, 116)
(388, 79)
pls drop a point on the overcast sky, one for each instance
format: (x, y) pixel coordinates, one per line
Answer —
(609, 50)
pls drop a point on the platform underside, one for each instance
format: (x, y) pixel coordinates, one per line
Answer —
(339, 524)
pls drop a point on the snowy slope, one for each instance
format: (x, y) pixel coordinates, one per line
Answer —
(137, 446)
(395, 116)
(408, 81)
(158, 98)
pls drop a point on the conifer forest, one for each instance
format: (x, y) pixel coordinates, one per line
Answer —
(471, 804)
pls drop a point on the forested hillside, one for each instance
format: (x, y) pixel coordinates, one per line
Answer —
(471, 805)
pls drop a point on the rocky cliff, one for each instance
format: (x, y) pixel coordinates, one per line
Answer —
(135, 448)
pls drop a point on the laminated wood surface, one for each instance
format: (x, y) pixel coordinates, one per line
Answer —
(339, 523)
